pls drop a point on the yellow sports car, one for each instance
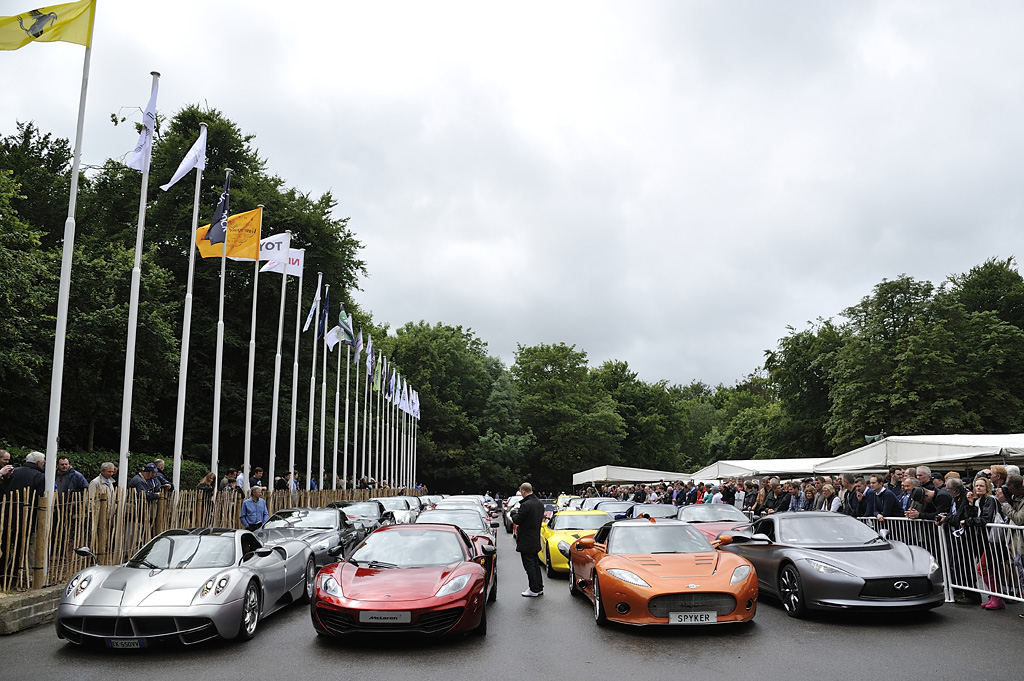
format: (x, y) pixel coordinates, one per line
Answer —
(565, 527)
(563, 500)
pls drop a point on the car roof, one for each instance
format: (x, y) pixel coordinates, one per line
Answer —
(577, 512)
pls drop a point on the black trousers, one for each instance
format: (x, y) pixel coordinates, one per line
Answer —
(531, 563)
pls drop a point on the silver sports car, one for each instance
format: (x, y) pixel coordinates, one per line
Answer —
(187, 586)
(827, 561)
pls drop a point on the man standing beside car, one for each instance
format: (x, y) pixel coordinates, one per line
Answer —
(528, 517)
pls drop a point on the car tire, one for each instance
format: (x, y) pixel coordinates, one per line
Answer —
(493, 596)
(547, 563)
(309, 581)
(508, 528)
(481, 629)
(599, 617)
(791, 591)
(250, 612)
(573, 589)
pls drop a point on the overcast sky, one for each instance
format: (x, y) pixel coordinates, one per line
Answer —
(667, 183)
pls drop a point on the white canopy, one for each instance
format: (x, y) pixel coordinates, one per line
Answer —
(605, 474)
(931, 450)
(748, 468)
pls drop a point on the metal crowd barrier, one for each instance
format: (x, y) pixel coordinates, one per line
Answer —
(985, 560)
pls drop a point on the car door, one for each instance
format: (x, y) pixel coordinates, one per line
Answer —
(763, 555)
(592, 556)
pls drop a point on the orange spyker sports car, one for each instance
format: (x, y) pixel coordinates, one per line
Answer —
(660, 572)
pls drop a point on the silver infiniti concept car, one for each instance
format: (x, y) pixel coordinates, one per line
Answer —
(187, 586)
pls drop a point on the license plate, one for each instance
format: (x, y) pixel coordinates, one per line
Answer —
(125, 643)
(692, 617)
(385, 617)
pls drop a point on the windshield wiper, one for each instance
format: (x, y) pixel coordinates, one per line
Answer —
(380, 564)
(874, 539)
(143, 561)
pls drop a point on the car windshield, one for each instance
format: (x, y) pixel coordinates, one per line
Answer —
(302, 518)
(181, 551)
(654, 510)
(615, 506)
(591, 502)
(363, 509)
(580, 522)
(394, 504)
(825, 529)
(409, 547)
(657, 539)
(711, 513)
(467, 520)
(575, 503)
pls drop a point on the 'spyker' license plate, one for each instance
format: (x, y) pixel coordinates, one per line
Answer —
(692, 617)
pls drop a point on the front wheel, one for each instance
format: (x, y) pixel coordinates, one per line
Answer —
(493, 596)
(547, 563)
(573, 589)
(481, 629)
(599, 617)
(309, 582)
(250, 612)
(791, 592)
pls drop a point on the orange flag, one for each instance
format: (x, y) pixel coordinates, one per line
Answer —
(243, 240)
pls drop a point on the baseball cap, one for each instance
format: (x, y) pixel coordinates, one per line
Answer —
(149, 468)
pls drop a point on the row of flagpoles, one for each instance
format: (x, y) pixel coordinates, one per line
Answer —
(383, 437)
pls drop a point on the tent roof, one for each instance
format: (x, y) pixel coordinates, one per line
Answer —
(911, 450)
(605, 474)
(752, 467)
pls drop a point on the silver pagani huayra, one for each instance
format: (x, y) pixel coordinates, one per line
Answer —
(186, 586)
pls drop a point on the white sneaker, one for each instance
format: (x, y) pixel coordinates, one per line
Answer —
(532, 594)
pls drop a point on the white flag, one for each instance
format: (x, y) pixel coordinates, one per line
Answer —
(333, 337)
(195, 158)
(312, 306)
(274, 247)
(296, 259)
(140, 157)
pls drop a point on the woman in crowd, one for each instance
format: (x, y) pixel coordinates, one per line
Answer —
(832, 501)
(205, 488)
(809, 493)
(750, 495)
(983, 509)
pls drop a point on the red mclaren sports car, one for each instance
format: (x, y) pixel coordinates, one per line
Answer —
(408, 578)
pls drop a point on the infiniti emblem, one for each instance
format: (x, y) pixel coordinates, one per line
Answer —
(692, 586)
(901, 585)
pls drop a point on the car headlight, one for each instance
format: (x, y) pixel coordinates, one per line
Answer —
(454, 586)
(739, 574)
(933, 564)
(563, 547)
(329, 585)
(627, 577)
(825, 568)
(77, 585)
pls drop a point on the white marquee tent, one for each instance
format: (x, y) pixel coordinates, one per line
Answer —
(748, 468)
(944, 451)
(606, 474)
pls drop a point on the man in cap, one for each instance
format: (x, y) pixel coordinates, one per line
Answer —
(146, 483)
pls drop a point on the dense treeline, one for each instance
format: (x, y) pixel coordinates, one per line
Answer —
(909, 358)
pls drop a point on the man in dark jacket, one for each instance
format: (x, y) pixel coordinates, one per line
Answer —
(528, 517)
(879, 500)
(29, 475)
(70, 483)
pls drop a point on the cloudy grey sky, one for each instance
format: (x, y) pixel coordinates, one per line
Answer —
(667, 183)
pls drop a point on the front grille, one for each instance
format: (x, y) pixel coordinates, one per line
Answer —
(438, 622)
(661, 606)
(887, 588)
(187, 629)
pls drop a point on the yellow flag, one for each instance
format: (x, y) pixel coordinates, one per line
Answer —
(71, 23)
(243, 240)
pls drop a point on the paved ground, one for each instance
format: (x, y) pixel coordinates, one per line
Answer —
(555, 637)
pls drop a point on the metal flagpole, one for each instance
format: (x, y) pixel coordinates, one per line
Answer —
(133, 315)
(323, 409)
(63, 297)
(312, 396)
(247, 451)
(366, 402)
(295, 379)
(355, 427)
(337, 401)
(344, 458)
(277, 364)
(381, 474)
(186, 333)
(218, 370)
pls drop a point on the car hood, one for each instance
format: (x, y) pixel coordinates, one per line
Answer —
(394, 584)
(713, 529)
(122, 586)
(571, 535)
(667, 565)
(882, 560)
(279, 534)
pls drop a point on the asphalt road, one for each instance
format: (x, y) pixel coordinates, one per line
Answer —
(555, 637)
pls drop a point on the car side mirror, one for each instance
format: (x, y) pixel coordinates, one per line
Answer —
(585, 543)
(762, 538)
(86, 552)
(884, 533)
(264, 551)
(335, 551)
(494, 523)
(489, 550)
(358, 527)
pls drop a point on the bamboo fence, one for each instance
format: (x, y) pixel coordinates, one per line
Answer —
(115, 526)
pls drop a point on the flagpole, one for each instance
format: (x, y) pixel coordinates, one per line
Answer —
(380, 416)
(63, 298)
(348, 372)
(337, 401)
(323, 412)
(186, 332)
(133, 318)
(247, 451)
(295, 378)
(355, 427)
(277, 364)
(218, 370)
(312, 397)
(366, 401)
